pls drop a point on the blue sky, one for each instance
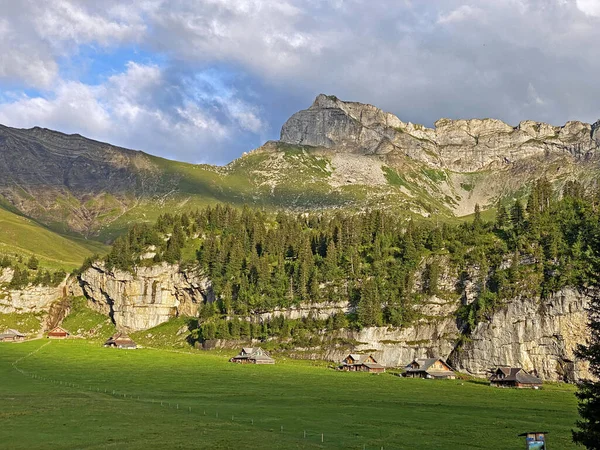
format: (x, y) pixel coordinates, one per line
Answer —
(204, 81)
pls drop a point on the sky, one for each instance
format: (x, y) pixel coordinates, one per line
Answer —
(204, 81)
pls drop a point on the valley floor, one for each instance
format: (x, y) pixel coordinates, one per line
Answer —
(76, 394)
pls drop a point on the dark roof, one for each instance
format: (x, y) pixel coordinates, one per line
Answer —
(516, 374)
(120, 339)
(373, 365)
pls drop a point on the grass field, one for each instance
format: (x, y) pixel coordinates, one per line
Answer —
(253, 403)
(25, 237)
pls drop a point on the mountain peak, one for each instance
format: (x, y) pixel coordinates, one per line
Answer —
(458, 145)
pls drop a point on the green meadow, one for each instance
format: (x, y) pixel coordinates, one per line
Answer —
(21, 235)
(78, 395)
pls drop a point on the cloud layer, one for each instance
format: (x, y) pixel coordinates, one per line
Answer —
(203, 81)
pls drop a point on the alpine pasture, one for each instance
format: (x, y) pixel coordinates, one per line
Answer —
(76, 394)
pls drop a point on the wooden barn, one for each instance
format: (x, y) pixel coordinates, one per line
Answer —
(58, 333)
(11, 335)
(361, 363)
(121, 340)
(514, 377)
(431, 368)
(253, 355)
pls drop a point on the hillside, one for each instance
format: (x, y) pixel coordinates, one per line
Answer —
(23, 236)
(335, 154)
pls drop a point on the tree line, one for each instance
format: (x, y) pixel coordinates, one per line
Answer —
(382, 264)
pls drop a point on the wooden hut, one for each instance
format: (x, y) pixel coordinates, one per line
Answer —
(253, 355)
(58, 333)
(11, 335)
(431, 368)
(121, 340)
(514, 377)
(355, 362)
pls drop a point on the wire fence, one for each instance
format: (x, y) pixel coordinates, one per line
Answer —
(319, 438)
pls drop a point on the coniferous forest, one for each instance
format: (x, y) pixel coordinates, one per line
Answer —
(382, 264)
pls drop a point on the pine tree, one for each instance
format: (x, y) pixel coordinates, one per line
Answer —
(588, 391)
(501, 216)
(517, 214)
(369, 305)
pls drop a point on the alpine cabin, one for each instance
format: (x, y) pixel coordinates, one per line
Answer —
(361, 363)
(11, 335)
(514, 377)
(58, 333)
(120, 340)
(431, 368)
(253, 355)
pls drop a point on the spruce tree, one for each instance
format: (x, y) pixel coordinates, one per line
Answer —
(588, 391)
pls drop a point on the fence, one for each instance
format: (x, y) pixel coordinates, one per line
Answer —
(312, 437)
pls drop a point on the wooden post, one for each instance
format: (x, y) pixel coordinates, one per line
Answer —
(322, 437)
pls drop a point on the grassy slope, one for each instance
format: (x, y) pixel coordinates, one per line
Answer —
(84, 321)
(351, 410)
(283, 176)
(23, 236)
(29, 323)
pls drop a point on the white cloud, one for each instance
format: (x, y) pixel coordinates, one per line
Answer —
(589, 7)
(67, 21)
(232, 71)
(125, 111)
(460, 14)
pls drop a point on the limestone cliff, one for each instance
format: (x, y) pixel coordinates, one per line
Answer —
(526, 332)
(532, 334)
(458, 145)
(145, 298)
(30, 299)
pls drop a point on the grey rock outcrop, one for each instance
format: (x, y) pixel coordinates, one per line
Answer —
(30, 299)
(532, 334)
(146, 298)
(527, 332)
(457, 145)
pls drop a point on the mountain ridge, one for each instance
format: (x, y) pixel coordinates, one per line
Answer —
(363, 128)
(334, 154)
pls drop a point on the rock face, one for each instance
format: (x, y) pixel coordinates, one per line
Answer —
(531, 334)
(31, 299)
(395, 347)
(146, 298)
(527, 332)
(457, 145)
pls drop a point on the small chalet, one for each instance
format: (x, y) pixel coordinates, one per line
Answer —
(253, 355)
(514, 377)
(121, 340)
(11, 335)
(361, 363)
(429, 368)
(58, 333)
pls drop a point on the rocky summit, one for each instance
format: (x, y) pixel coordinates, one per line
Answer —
(335, 154)
(456, 145)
